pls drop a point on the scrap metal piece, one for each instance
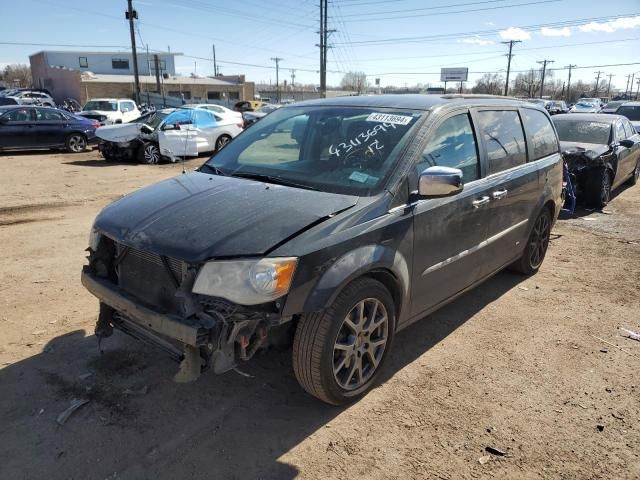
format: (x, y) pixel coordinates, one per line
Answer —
(76, 403)
(190, 367)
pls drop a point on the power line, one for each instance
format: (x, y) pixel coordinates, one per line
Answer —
(479, 33)
(451, 12)
(439, 7)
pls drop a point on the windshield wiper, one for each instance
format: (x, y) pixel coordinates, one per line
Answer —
(272, 179)
(213, 169)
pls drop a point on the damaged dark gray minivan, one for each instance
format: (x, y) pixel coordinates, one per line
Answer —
(330, 223)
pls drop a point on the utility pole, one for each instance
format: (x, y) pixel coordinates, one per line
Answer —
(321, 32)
(609, 87)
(156, 63)
(509, 55)
(544, 70)
(277, 60)
(569, 81)
(638, 89)
(130, 15)
(215, 67)
(626, 89)
(631, 86)
(293, 78)
(595, 90)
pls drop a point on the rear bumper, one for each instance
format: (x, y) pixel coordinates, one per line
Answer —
(164, 324)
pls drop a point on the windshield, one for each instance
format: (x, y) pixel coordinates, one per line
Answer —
(631, 112)
(611, 105)
(583, 131)
(588, 100)
(102, 105)
(335, 149)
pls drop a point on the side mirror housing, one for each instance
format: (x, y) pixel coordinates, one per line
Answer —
(440, 182)
(627, 143)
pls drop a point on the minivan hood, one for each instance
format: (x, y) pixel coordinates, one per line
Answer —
(197, 216)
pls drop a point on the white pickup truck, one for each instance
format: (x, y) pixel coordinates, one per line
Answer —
(110, 110)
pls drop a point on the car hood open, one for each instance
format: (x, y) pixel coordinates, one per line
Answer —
(198, 216)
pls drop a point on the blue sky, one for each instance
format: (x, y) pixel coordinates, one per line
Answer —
(400, 41)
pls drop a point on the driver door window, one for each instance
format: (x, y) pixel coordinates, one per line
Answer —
(453, 144)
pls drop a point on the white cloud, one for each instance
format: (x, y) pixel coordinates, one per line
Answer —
(515, 33)
(490, 24)
(476, 41)
(555, 32)
(612, 25)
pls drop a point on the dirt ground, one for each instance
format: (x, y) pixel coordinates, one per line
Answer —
(535, 367)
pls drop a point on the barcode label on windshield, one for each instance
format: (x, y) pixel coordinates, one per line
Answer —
(389, 118)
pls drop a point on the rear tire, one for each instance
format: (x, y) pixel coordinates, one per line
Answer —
(149, 153)
(76, 143)
(537, 244)
(635, 176)
(338, 353)
(598, 188)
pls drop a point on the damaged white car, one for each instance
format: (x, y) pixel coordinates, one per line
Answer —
(167, 135)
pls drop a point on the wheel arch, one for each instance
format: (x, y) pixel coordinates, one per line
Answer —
(379, 262)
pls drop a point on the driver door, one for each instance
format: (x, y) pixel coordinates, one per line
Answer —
(177, 137)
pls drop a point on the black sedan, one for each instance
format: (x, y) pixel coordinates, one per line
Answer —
(602, 151)
(25, 127)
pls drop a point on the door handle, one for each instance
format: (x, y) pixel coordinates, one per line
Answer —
(480, 202)
(499, 194)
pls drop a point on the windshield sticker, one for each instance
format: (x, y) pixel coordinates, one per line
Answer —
(389, 118)
(359, 177)
(361, 139)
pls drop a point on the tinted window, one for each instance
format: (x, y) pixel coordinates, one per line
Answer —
(452, 145)
(620, 133)
(120, 64)
(583, 131)
(204, 119)
(504, 139)
(20, 115)
(632, 113)
(48, 115)
(542, 138)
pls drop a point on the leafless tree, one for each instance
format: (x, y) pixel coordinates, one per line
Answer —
(354, 81)
(17, 75)
(489, 83)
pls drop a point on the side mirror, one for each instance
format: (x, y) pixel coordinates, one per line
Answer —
(440, 182)
(627, 143)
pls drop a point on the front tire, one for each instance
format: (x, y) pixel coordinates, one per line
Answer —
(537, 244)
(338, 352)
(149, 153)
(76, 143)
(598, 191)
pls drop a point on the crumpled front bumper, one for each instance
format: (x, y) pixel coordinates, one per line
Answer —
(168, 325)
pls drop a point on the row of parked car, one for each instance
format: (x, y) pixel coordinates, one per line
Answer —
(585, 105)
(332, 224)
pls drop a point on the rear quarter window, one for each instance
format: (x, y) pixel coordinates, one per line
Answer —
(541, 135)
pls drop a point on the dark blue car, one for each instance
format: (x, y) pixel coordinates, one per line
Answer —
(24, 127)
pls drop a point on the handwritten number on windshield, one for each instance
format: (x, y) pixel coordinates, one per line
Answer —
(361, 138)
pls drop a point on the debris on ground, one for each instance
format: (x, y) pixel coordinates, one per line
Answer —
(484, 459)
(84, 376)
(76, 403)
(139, 391)
(495, 451)
(604, 350)
(523, 288)
(631, 334)
(600, 427)
(244, 374)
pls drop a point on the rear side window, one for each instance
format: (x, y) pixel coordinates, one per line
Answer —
(620, 133)
(20, 115)
(504, 139)
(542, 137)
(453, 144)
(48, 115)
(628, 128)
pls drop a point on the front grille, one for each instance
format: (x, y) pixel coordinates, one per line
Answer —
(144, 275)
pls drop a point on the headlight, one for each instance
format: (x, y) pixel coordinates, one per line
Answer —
(246, 282)
(94, 239)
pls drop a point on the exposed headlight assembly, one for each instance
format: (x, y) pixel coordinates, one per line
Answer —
(246, 282)
(94, 239)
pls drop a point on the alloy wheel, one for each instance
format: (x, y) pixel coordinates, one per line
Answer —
(151, 154)
(360, 343)
(77, 143)
(222, 141)
(539, 241)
